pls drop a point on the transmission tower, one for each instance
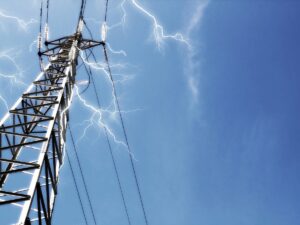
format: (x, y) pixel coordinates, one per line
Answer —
(33, 135)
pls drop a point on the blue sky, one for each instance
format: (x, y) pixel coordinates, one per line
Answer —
(214, 128)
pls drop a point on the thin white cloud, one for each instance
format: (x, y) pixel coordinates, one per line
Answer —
(192, 64)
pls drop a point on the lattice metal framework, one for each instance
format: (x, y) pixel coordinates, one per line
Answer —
(33, 135)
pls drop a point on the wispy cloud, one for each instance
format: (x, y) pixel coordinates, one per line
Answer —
(192, 67)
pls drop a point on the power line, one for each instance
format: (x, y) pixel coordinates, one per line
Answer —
(125, 133)
(106, 8)
(77, 189)
(40, 32)
(89, 76)
(47, 15)
(121, 119)
(82, 9)
(82, 175)
(40, 37)
(88, 29)
(120, 115)
(47, 20)
(122, 122)
(89, 71)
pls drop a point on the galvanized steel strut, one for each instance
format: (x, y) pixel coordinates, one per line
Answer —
(33, 134)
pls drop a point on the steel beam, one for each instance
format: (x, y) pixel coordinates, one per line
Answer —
(38, 121)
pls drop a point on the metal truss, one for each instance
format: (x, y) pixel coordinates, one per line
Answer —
(33, 135)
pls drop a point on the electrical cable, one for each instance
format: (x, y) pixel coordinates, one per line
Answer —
(122, 122)
(125, 133)
(82, 9)
(89, 76)
(87, 86)
(47, 20)
(76, 186)
(47, 14)
(109, 144)
(121, 118)
(82, 175)
(40, 38)
(88, 29)
(81, 64)
(40, 32)
(106, 9)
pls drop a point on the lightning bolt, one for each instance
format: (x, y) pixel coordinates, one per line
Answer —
(5, 102)
(159, 35)
(104, 30)
(13, 77)
(21, 23)
(158, 31)
(98, 114)
(118, 52)
(33, 43)
(10, 60)
(97, 118)
(122, 22)
(103, 68)
(123, 78)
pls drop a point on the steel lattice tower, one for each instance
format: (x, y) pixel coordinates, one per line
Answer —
(33, 134)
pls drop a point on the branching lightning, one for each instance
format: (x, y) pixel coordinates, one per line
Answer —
(123, 78)
(97, 118)
(21, 23)
(33, 43)
(120, 52)
(159, 35)
(5, 102)
(158, 30)
(13, 77)
(103, 68)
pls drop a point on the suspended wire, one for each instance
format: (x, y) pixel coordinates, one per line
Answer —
(121, 117)
(89, 71)
(88, 29)
(82, 175)
(77, 189)
(122, 121)
(40, 37)
(74, 146)
(82, 63)
(84, 5)
(124, 132)
(47, 20)
(47, 15)
(89, 76)
(81, 14)
(87, 86)
(40, 31)
(82, 9)
(106, 9)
